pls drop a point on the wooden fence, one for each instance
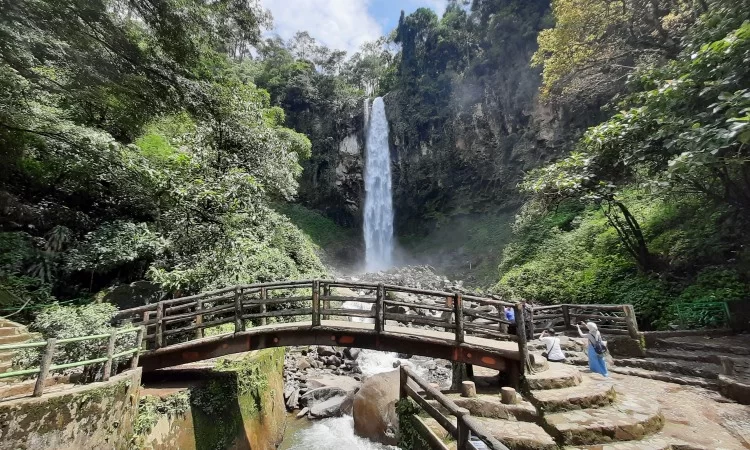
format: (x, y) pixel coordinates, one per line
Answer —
(181, 319)
(465, 425)
(49, 348)
(610, 319)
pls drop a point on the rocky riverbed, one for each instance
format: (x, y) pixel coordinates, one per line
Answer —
(321, 381)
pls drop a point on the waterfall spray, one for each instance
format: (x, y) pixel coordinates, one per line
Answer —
(378, 202)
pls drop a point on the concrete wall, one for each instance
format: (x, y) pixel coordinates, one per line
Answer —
(223, 414)
(97, 416)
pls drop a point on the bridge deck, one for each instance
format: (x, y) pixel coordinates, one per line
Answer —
(440, 344)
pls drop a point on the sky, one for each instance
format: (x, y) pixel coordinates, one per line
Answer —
(342, 24)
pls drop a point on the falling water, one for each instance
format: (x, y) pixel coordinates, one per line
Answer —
(378, 202)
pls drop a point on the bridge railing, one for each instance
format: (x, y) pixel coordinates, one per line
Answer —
(610, 319)
(465, 425)
(186, 318)
(51, 348)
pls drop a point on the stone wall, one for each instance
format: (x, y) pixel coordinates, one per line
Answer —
(95, 416)
(236, 405)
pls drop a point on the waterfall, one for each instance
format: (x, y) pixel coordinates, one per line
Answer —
(378, 202)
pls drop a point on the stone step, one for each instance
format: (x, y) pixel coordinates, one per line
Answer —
(591, 393)
(10, 331)
(556, 377)
(519, 435)
(629, 418)
(5, 366)
(716, 346)
(667, 377)
(14, 339)
(680, 367)
(698, 356)
(656, 442)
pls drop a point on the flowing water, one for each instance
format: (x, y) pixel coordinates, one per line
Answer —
(378, 215)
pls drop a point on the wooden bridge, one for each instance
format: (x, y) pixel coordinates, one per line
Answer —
(447, 325)
(452, 326)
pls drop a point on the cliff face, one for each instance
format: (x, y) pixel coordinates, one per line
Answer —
(332, 181)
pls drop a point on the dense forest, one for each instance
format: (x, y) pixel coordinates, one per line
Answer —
(596, 150)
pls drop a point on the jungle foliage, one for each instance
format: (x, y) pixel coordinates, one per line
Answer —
(134, 144)
(651, 205)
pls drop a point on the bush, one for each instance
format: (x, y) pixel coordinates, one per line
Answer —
(63, 322)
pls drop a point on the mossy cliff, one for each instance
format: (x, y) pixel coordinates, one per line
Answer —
(236, 405)
(96, 416)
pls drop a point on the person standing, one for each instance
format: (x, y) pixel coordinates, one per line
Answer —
(596, 348)
(554, 352)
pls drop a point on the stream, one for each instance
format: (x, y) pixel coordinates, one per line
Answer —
(338, 432)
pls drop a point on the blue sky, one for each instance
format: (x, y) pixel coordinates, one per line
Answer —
(342, 24)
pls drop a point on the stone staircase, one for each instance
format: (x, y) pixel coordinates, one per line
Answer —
(717, 363)
(11, 333)
(585, 409)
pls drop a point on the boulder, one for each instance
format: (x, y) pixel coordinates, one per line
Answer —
(303, 363)
(374, 408)
(347, 384)
(319, 395)
(328, 408)
(325, 350)
(352, 353)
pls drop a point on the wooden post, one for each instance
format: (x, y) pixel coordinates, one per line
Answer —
(458, 308)
(468, 389)
(139, 345)
(462, 441)
(380, 308)
(263, 298)
(316, 303)
(159, 324)
(403, 380)
(566, 317)
(508, 396)
(326, 302)
(239, 324)
(523, 349)
(49, 352)
(146, 317)
(199, 318)
(110, 352)
(631, 322)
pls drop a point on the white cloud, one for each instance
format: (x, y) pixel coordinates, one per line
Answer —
(339, 24)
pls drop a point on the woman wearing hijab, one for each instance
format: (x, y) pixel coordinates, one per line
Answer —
(596, 348)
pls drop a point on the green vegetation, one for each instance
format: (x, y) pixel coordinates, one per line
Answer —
(408, 436)
(337, 245)
(133, 144)
(651, 206)
(152, 408)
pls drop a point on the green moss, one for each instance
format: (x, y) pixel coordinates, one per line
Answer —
(237, 395)
(408, 436)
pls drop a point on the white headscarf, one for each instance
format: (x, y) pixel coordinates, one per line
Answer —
(594, 335)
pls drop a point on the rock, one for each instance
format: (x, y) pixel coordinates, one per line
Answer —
(302, 412)
(352, 353)
(319, 395)
(346, 384)
(293, 400)
(327, 408)
(396, 363)
(348, 404)
(374, 408)
(325, 350)
(303, 364)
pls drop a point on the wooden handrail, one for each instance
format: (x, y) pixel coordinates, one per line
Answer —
(453, 312)
(52, 345)
(466, 425)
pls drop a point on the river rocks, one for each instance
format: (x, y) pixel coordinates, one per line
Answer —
(326, 351)
(327, 408)
(352, 353)
(374, 408)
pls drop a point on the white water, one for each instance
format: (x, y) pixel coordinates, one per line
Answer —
(378, 216)
(334, 433)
